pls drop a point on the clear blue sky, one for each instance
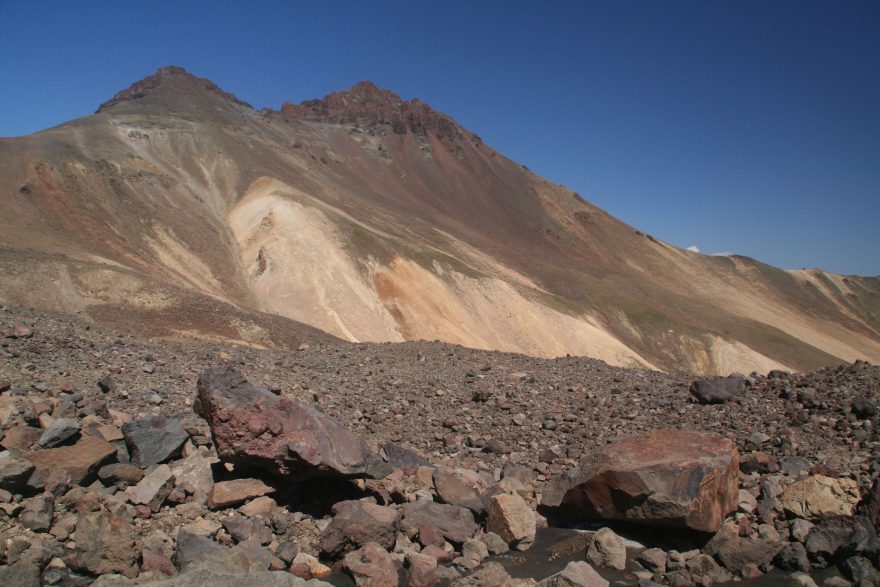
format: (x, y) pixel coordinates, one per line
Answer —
(750, 127)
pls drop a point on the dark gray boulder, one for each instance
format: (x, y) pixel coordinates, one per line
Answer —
(154, 440)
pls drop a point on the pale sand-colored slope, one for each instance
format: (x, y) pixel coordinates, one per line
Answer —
(743, 294)
(299, 267)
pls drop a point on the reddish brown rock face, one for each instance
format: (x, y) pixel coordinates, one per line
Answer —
(667, 478)
(252, 426)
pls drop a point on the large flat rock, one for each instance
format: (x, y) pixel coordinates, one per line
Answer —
(82, 460)
(252, 426)
(668, 478)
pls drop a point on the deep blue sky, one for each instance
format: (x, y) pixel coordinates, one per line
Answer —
(750, 127)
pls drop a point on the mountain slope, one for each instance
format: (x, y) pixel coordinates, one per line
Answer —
(374, 218)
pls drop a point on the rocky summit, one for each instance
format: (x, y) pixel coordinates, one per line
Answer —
(129, 460)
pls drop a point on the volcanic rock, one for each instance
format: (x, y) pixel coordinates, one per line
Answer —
(14, 472)
(252, 426)
(666, 478)
(653, 559)
(400, 457)
(455, 490)
(607, 550)
(22, 573)
(575, 574)
(819, 496)
(455, 523)
(191, 547)
(236, 491)
(860, 570)
(868, 507)
(194, 474)
(356, 523)
(81, 460)
(793, 557)
(105, 543)
(243, 528)
(512, 519)
(836, 538)
(120, 473)
(735, 552)
(371, 566)
(59, 432)
(153, 489)
(36, 515)
(154, 440)
(220, 577)
(21, 437)
(718, 390)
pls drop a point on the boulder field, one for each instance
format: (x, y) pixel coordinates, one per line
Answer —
(127, 461)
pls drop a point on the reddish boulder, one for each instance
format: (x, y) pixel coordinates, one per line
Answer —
(668, 478)
(81, 460)
(456, 524)
(356, 523)
(236, 491)
(252, 426)
(371, 566)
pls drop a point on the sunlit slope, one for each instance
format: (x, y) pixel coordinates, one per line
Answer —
(377, 219)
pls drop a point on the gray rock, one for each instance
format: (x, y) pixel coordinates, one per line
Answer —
(258, 558)
(840, 537)
(243, 528)
(489, 575)
(287, 551)
(704, 568)
(653, 559)
(194, 474)
(154, 440)
(14, 472)
(120, 473)
(356, 523)
(734, 552)
(37, 512)
(456, 524)
(60, 431)
(455, 490)
(113, 580)
(495, 543)
(202, 576)
(864, 408)
(858, 568)
(512, 519)
(473, 553)
(20, 574)
(400, 457)
(606, 549)
(105, 543)
(800, 529)
(153, 489)
(718, 390)
(192, 548)
(575, 574)
(793, 557)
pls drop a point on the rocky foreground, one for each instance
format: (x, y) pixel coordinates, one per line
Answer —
(129, 461)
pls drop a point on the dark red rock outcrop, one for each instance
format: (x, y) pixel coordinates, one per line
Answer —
(667, 478)
(252, 426)
(367, 104)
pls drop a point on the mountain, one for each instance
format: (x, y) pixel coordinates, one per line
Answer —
(179, 210)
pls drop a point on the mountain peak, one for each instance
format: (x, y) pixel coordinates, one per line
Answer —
(171, 87)
(367, 104)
